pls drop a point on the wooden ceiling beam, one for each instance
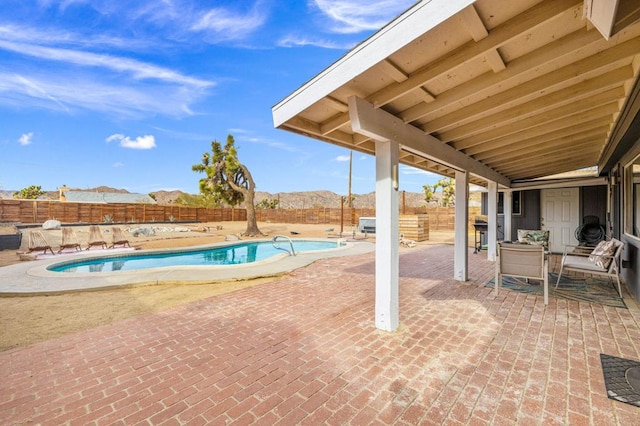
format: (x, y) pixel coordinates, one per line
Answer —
(512, 150)
(499, 36)
(596, 91)
(393, 71)
(589, 144)
(563, 116)
(556, 164)
(542, 133)
(473, 23)
(570, 74)
(381, 125)
(518, 71)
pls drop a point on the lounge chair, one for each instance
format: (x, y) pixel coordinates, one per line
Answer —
(118, 238)
(603, 260)
(37, 242)
(523, 261)
(69, 240)
(96, 238)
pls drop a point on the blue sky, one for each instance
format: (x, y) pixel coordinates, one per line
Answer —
(130, 94)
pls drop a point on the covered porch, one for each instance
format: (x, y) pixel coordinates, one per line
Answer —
(492, 93)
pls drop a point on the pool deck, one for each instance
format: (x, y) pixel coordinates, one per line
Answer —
(33, 277)
(304, 350)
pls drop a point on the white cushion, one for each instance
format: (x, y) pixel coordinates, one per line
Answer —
(582, 262)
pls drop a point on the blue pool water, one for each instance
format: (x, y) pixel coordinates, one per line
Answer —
(226, 255)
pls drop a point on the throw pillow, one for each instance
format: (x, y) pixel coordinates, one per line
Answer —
(602, 254)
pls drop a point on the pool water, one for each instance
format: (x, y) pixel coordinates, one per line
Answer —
(227, 255)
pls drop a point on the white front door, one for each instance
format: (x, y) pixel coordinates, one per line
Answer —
(559, 216)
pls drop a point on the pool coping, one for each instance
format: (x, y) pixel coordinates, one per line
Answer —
(33, 277)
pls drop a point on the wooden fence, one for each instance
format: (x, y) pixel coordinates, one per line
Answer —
(37, 212)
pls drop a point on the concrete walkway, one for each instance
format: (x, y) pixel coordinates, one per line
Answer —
(304, 350)
(35, 278)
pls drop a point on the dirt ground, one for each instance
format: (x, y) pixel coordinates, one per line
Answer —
(29, 319)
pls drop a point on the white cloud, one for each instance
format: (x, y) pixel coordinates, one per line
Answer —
(221, 24)
(343, 158)
(26, 139)
(141, 142)
(117, 165)
(295, 41)
(79, 91)
(353, 16)
(139, 70)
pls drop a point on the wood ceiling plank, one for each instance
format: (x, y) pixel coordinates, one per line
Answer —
(564, 114)
(555, 164)
(517, 71)
(596, 91)
(531, 89)
(500, 35)
(510, 151)
(533, 154)
(543, 133)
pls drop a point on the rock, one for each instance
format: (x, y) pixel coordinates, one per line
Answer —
(145, 230)
(51, 224)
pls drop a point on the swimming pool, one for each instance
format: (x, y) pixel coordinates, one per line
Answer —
(235, 254)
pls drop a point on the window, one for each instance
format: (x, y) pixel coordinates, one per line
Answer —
(632, 195)
(516, 203)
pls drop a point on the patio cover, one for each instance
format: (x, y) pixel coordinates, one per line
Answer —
(491, 92)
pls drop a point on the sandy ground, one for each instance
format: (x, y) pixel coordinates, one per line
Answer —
(29, 319)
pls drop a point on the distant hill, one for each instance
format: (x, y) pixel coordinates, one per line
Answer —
(307, 199)
(286, 200)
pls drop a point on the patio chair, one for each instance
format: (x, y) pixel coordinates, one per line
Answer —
(69, 240)
(603, 260)
(118, 238)
(96, 238)
(37, 242)
(523, 261)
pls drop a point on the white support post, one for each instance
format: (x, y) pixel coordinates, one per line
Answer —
(492, 220)
(387, 238)
(508, 212)
(461, 237)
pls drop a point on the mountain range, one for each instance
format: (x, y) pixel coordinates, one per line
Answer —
(295, 200)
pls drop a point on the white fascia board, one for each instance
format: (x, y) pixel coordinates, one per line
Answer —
(381, 125)
(417, 20)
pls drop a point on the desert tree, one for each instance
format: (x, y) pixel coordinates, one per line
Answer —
(32, 192)
(228, 180)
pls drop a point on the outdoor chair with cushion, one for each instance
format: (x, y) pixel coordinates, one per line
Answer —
(118, 238)
(603, 260)
(96, 238)
(69, 240)
(523, 261)
(535, 237)
(37, 242)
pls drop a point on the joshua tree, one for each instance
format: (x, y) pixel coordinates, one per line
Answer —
(30, 193)
(228, 180)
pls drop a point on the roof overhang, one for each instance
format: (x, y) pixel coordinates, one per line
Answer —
(518, 90)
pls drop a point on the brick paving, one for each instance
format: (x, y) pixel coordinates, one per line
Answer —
(304, 350)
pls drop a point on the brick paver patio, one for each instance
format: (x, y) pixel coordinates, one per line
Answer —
(304, 350)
